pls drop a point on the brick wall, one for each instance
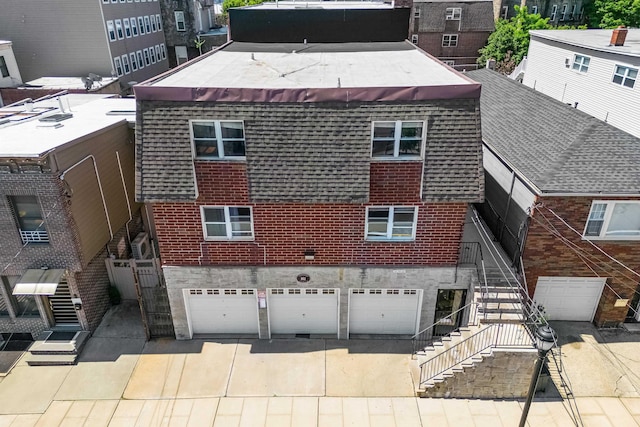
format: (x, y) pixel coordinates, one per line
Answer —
(546, 255)
(284, 231)
(468, 44)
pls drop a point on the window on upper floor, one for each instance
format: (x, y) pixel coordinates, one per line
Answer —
(119, 31)
(134, 27)
(391, 223)
(29, 219)
(141, 25)
(399, 139)
(134, 61)
(158, 53)
(125, 64)
(159, 21)
(227, 222)
(147, 59)
(214, 139)
(140, 59)
(163, 51)
(414, 38)
(152, 54)
(554, 12)
(111, 29)
(127, 27)
(625, 76)
(180, 24)
(154, 27)
(580, 63)
(449, 40)
(4, 70)
(563, 13)
(573, 14)
(147, 24)
(613, 220)
(117, 64)
(453, 13)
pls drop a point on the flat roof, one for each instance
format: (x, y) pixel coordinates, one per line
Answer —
(599, 40)
(22, 134)
(322, 5)
(297, 72)
(66, 83)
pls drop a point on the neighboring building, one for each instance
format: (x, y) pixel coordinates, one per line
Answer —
(310, 189)
(595, 71)
(47, 86)
(107, 37)
(563, 193)
(9, 72)
(559, 12)
(452, 31)
(66, 184)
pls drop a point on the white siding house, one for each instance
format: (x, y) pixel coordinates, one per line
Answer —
(585, 69)
(9, 73)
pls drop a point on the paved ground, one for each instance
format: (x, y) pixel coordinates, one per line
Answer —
(121, 380)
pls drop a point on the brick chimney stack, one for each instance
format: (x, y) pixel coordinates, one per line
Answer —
(619, 36)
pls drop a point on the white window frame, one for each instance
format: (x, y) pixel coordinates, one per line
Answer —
(126, 67)
(154, 27)
(624, 76)
(579, 65)
(554, 12)
(127, 28)
(397, 138)
(147, 24)
(572, 15)
(414, 38)
(180, 22)
(606, 221)
(117, 66)
(453, 14)
(111, 31)
(119, 30)
(152, 53)
(134, 61)
(134, 27)
(140, 59)
(158, 53)
(163, 51)
(141, 25)
(218, 139)
(147, 58)
(563, 13)
(159, 21)
(390, 224)
(452, 40)
(227, 222)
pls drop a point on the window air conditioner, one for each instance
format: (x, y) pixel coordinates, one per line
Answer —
(141, 247)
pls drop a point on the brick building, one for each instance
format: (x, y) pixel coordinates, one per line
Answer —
(562, 198)
(66, 174)
(312, 188)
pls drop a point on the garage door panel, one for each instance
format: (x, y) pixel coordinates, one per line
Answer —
(569, 298)
(303, 311)
(222, 311)
(384, 311)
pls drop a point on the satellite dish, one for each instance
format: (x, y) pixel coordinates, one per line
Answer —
(95, 77)
(88, 82)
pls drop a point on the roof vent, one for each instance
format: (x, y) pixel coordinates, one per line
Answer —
(56, 117)
(619, 36)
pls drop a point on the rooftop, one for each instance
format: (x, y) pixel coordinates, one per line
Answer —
(323, 5)
(268, 68)
(565, 151)
(23, 134)
(68, 83)
(599, 40)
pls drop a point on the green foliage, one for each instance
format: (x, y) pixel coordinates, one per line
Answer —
(510, 40)
(613, 13)
(228, 4)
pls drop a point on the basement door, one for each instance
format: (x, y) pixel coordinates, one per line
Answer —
(384, 311)
(222, 311)
(303, 311)
(569, 298)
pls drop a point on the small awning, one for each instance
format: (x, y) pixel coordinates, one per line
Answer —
(38, 282)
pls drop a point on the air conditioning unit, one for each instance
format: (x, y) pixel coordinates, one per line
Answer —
(141, 247)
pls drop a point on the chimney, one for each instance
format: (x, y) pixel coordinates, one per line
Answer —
(619, 36)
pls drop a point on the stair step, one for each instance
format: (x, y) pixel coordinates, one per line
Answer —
(499, 300)
(500, 310)
(51, 359)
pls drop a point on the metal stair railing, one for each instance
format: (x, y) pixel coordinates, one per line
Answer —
(492, 336)
(471, 253)
(427, 336)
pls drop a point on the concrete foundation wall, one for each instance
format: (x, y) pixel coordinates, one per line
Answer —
(504, 375)
(428, 279)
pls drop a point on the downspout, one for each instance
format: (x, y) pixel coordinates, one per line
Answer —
(126, 196)
(104, 203)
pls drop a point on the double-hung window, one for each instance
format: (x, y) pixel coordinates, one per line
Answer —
(134, 27)
(118, 66)
(214, 139)
(625, 76)
(154, 28)
(111, 29)
(397, 139)
(29, 219)
(453, 13)
(140, 59)
(147, 24)
(391, 223)
(134, 62)
(554, 12)
(147, 59)
(613, 220)
(127, 27)
(449, 40)
(180, 24)
(581, 63)
(227, 222)
(119, 29)
(141, 24)
(159, 22)
(125, 64)
(163, 51)
(563, 14)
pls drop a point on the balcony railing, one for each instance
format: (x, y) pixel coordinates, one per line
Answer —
(34, 236)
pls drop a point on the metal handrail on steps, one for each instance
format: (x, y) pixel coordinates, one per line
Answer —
(493, 336)
(427, 337)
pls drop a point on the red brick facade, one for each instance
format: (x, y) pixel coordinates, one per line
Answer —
(547, 255)
(283, 231)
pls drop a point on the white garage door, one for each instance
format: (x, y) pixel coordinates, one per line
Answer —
(222, 311)
(569, 298)
(303, 311)
(384, 311)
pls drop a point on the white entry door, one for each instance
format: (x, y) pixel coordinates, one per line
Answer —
(303, 311)
(569, 298)
(384, 311)
(222, 311)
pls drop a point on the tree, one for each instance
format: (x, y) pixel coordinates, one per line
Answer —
(613, 13)
(228, 4)
(509, 43)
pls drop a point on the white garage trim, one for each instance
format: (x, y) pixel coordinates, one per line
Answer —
(221, 311)
(384, 311)
(569, 298)
(303, 311)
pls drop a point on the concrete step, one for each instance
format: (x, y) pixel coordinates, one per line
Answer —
(51, 359)
(44, 345)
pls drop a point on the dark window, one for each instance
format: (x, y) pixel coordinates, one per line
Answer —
(4, 70)
(29, 218)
